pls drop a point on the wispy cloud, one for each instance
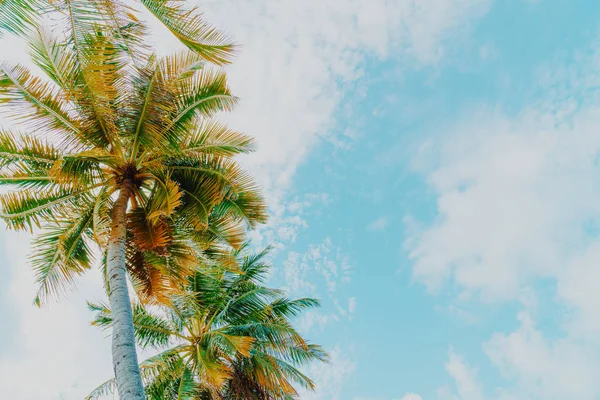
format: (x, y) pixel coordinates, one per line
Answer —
(378, 224)
(517, 201)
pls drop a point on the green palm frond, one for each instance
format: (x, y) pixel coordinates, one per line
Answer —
(287, 308)
(62, 253)
(189, 27)
(203, 94)
(28, 209)
(164, 199)
(101, 218)
(247, 205)
(126, 27)
(26, 151)
(35, 102)
(151, 330)
(222, 229)
(107, 388)
(188, 388)
(17, 16)
(152, 104)
(55, 58)
(102, 68)
(180, 65)
(214, 137)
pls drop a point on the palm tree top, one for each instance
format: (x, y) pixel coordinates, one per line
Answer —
(228, 337)
(111, 124)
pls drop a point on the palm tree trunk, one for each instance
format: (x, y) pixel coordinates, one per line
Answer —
(125, 363)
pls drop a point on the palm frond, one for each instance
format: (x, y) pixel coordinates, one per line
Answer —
(57, 59)
(105, 389)
(17, 16)
(27, 209)
(159, 261)
(102, 67)
(214, 137)
(61, 253)
(187, 388)
(150, 330)
(179, 66)
(101, 218)
(123, 24)
(26, 151)
(164, 199)
(36, 102)
(189, 27)
(222, 230)
(203, 94)
(288, 308)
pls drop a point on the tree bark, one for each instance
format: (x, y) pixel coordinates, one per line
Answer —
(125, 362)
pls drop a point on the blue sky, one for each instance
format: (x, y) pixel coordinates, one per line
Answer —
(432, 171)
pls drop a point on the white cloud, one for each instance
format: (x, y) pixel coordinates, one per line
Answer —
(534, 367)
(287, 219)
(378, 224)
(325, 262)
(576, 287)
(517, 201)
(465, 378)
(351, 305)
(513, 198)
(55, 353)
(541, 368)
(330, 378)
(411, 396)
(323, 268)
(297, 58)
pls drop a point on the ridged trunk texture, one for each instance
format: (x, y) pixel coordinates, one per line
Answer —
(125, 362)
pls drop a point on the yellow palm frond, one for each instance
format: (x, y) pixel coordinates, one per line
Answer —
(164, 200)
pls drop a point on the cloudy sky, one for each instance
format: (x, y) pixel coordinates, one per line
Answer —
(432, 172)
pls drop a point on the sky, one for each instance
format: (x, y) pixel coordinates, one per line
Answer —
(432, 173)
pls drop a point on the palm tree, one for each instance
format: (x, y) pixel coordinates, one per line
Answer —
(185, 23)
(231, 338)
(131, 160)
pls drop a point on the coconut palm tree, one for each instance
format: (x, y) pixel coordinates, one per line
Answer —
(123, 152)
(230, 337)
(184, 22)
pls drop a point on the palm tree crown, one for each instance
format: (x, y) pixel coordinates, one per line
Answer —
(112, 127)
(230, 337)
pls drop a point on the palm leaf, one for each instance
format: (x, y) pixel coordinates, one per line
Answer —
(26, 151)
(26, 209)
(203, 94)
(35, 102)
(60, 254)
(213, 137)
(189, 27)
(56, 59)
(17, 16)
